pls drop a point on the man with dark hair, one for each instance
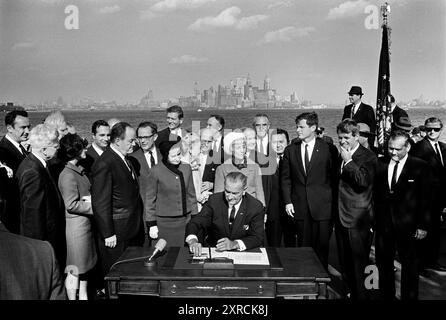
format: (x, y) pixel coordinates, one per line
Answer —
(360, 112)
(307, 178)
(402, 213)
(217, 123)
(354, 205)
(12, 153)
(433, 151)
(275, 213)
(116, 201)
(146, 157)
(101, 139)
(173, 132)
(233, 219)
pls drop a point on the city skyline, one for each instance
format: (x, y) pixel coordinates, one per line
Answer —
(318, 49)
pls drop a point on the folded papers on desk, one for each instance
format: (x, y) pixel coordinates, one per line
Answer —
(257, 257)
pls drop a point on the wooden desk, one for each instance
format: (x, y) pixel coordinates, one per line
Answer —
(302, 277)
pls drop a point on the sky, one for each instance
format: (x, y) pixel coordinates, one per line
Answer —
(121, 49)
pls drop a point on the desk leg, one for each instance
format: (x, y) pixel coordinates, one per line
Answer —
(322, 288)
(112, 289)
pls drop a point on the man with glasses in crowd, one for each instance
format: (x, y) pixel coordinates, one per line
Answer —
(433, 151)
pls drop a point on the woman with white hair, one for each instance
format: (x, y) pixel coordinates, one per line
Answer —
(235, 146)
(57, 120)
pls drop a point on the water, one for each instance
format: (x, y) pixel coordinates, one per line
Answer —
(328, 118)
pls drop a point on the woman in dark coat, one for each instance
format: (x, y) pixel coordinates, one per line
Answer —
(170, 196)
(74, 187)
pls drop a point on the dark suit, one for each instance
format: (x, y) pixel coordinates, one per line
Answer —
(354, 220)
(247, 226)
(117, 206)
(364, 114)
(165, 135)
(11, 157)
(87, 163)
(431, 245)
(142, 169)
(209, 170)
(218, 154)
(28, 269)
(42, 214)
(398, 215)
(310, 194)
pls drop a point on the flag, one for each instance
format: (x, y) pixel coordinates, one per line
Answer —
(382, 96)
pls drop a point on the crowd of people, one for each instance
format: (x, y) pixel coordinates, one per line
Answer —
(235, 189)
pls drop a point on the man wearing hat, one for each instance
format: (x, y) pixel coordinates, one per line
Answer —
(360, 112)
(403, 124)
(396, 113)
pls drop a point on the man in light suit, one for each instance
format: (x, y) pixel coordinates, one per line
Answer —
(360, 112)
(12, 154)
(402, 213)
(433, 151)
(233, 219)
(307, 176)
(116, 201)
(217, 123)
(101, 139)
(173, 132)
(28, 269)
(146, 157)
(42, 214)
(355, 206)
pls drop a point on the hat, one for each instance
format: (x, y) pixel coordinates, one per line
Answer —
(355, 90)
(403, 123)
(230, 138)
(364, 129)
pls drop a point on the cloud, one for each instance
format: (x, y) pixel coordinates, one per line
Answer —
(250, 22)
(187, 59)
(286, 34)
(280, 4)
(171, 5)
(112, 9)
(228, 18)
(347, 9)
(23, 45)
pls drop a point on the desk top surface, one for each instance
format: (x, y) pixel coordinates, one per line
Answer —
(299, 264)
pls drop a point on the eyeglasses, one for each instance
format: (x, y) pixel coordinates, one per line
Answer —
(145, 137)
(432, 129)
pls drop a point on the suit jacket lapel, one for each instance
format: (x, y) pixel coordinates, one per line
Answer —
(17, 153)
(314, 155)
(299, 159)
(224, 214)
(403, 175)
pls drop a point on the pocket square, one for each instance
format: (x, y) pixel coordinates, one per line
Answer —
(410, 180)
(245, 227)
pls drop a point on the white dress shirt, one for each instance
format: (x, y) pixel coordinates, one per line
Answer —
(310, 150)
(398, 172)
(264, 142)
(97, 149)
(154, 155)
(439, 149)
(355, 108)
(123, 159)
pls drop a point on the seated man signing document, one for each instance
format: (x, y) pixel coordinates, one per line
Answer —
(233, 219)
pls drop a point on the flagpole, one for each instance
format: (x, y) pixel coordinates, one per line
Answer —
(383, 106)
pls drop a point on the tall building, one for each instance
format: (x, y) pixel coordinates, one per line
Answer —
(267, 83)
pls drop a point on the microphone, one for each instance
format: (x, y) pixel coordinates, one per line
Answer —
(159, 247)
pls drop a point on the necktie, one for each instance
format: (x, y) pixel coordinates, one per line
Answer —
(353, 111)
(24, 152)
(152, 160)
(261, 147)
(129, 167)
(393, 181)
(307, 159)
(232, 216)
(437, 150)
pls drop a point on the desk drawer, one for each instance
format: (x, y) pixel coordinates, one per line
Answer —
(199, 289)
(300, 289)
(139, 287)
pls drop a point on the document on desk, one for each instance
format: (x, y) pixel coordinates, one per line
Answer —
(259, 257)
